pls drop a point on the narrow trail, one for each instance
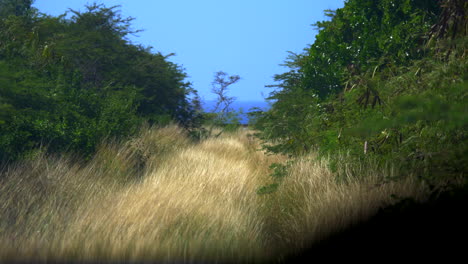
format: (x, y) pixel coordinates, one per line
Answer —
(186, 202)
(201, 200)
(193, 202)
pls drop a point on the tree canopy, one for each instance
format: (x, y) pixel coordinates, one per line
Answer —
(373, 86)
(67, 82)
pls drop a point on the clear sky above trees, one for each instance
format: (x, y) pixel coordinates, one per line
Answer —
(243, 37)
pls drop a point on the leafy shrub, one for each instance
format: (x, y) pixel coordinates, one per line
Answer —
(69, 83)
(368, 87)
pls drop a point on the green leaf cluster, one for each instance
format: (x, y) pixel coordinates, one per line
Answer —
(279, 171)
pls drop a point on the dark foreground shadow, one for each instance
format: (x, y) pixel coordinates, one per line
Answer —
(434, 231)
(437, 229)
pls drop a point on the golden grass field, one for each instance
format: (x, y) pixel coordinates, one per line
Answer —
(159, 197)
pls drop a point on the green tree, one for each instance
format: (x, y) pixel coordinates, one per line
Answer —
(370, 87)
(15, 8)
(358, 38)
(68, 83)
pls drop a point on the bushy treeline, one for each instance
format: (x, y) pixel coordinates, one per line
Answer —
(385, 81)
(67, 82)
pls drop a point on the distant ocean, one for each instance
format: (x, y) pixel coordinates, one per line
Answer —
(245, 106)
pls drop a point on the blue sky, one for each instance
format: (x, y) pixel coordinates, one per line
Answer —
(249, 38)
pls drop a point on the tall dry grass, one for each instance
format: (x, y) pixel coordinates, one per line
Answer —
(160, 197)
(312, 204)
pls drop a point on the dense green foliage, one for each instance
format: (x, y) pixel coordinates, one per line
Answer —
(67, 82)
(372, 86)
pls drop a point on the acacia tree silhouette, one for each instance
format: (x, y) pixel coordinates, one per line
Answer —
(220, 86)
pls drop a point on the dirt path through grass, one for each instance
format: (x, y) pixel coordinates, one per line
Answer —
(160, 197)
